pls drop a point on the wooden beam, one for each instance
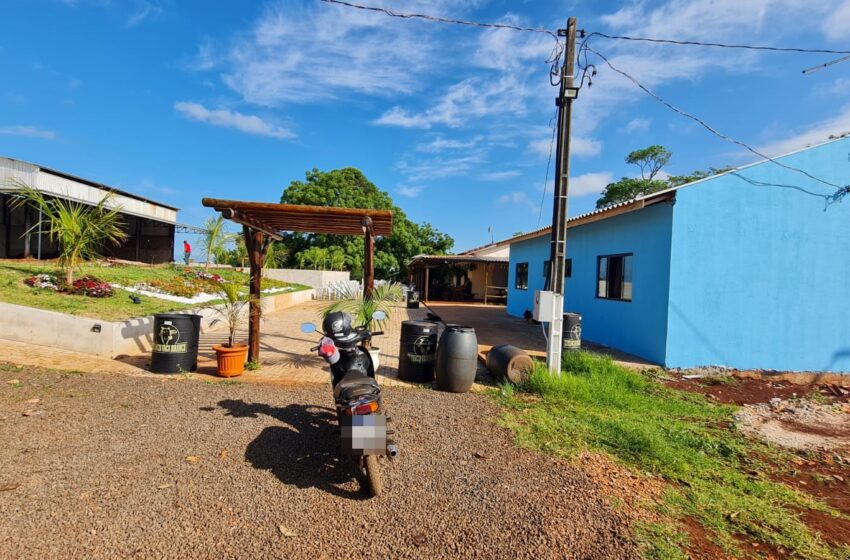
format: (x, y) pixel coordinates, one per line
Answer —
(255, 242)
(369, 260)
(427, 284)
(486, 280)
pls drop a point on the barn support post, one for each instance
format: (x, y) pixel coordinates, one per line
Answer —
(256, 243)
(369, 259)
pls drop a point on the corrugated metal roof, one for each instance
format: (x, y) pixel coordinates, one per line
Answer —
(446, 259)
(90, 183)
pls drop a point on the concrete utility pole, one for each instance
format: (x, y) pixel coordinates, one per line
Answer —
(568, 93)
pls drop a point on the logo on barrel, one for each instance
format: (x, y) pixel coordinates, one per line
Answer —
(423, 350)
(168, 340)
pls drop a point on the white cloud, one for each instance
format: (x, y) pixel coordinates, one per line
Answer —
(518, 198)
(205, 59)
(500, 175)
(814, 134)
(836, 26)
(637, 124)
(304, 54)
(440, 167)
(226, 118)
(410, 192)
(440, 144)
(580, 146)
(590, 183)
(30, 131)
(144, 10)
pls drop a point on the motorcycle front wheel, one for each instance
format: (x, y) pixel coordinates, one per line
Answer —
(373, 474)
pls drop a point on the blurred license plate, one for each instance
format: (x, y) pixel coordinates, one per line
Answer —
(364, 435)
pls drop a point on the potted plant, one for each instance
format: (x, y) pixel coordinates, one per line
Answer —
(231, 356)
(363, 309)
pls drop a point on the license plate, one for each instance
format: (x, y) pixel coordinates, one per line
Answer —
(364, 435)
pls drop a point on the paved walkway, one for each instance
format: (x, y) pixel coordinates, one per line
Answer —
(284, 351)
(494, 326)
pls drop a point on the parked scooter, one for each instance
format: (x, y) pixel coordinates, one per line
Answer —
(360, 411)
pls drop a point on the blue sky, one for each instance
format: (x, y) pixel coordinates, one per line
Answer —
(178, 100)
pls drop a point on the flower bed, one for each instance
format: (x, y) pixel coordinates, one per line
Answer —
(43, 282)
(91, 287)
(85, 286)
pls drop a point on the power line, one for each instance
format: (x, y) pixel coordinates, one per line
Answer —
(827, 198)
(443, 19)
(720, 45)
(548, 165)
(705, 124)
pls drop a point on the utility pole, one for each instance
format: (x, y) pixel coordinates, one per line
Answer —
(567, 94)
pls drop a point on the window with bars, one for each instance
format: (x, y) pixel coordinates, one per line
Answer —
(521, 276)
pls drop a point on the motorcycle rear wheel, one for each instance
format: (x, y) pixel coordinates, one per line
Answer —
(373, 474)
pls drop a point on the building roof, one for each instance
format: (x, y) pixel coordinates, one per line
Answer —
(487, 246)
(93, 183)
(449, 259)
(654, 198)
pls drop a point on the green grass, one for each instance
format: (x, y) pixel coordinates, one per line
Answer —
(115, 308)
(714, 474)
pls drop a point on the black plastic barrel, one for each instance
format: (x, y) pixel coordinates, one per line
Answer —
(412, 299)
(507, 362)
(572, 332)
(175, 342)
(457, 359)
(417, 351)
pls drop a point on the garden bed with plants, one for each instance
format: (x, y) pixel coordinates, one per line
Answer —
(106, 290)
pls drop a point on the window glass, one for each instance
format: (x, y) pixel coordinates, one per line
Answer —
(522, 276)
(614, 277)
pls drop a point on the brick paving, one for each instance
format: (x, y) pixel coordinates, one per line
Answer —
(285, 354)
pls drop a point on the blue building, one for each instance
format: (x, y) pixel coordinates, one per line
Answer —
(747, 269)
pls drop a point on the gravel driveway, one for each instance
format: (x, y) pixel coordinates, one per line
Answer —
(140, 467)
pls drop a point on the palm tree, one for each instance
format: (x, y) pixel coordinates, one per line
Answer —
(79, 229)
(214, 239)
(361, 308)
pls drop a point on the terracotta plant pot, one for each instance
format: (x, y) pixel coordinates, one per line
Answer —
(231, 359)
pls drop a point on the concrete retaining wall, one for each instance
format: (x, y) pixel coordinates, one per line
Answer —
(312, 278)
(106, 338)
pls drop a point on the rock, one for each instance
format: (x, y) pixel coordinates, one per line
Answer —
(287, 532)
(775, 404)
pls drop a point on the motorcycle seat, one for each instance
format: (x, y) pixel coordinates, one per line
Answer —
(355, 385)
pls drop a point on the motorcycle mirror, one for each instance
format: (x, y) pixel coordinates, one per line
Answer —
(379, 316)
(308, 328)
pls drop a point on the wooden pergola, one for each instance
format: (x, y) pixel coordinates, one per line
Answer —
(263, 222)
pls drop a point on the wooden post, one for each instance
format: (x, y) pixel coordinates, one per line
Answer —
(427, 283)
(255, 243)
(486, 280)
(369, 260)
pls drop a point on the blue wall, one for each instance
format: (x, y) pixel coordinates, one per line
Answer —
(760, 275)
(638, 327)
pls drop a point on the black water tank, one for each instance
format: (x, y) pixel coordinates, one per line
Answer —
(175, 342)
(571, 332)
(412, 299)
(457, 359)
(417, 351)
(509, 363)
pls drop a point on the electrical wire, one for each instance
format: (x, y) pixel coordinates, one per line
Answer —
(552, 123)
(705, 124)
(826, 64)
(827, 198)
(439, 19)
(720, 45)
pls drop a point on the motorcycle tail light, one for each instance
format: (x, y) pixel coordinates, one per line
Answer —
(363, 408)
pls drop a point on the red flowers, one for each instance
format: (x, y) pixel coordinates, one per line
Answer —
(91, 287)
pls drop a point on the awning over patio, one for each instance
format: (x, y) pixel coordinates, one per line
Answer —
(487, 277)
(264, 221)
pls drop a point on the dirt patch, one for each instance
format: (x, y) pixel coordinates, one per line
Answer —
(732, 390)
(798, 424)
